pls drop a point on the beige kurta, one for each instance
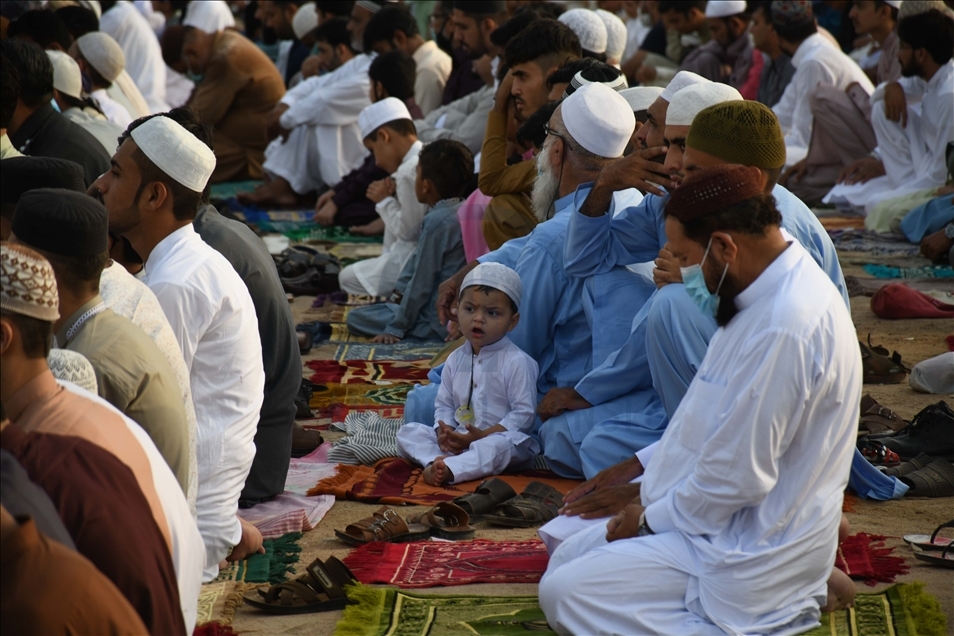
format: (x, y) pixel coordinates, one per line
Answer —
(240, 86)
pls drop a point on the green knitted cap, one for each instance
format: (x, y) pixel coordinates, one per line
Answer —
(744, 132)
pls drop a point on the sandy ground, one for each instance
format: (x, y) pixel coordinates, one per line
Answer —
(916, 340)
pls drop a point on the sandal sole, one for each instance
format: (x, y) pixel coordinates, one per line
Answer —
(404, 538)
(923, 541)
(328, 606)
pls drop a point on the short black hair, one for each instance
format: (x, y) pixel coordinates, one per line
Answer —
(449, 165)
(880, 4)
(403, 127)
(35, 334)
(43, 27)
(34, 69)
(496, 9)
(751, 216)
(184, 201)
(78, 20)
(543, 39)
(77, 273)
(385, 23)
(599, 72)
(396, 71)
(171, 44)
(9, 89)
(486, 289)
(340, 8)
(569, 70)
(680, 6)
(932, 31)
(532, 131)
(524, 16)
(334, 32)
(794, 31)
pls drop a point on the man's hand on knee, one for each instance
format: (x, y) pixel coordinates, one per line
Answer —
(625, 525)
(622, 473)
(558, 400)
(604, 502)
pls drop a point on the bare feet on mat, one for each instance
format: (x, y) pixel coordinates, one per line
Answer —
(274, 193)
(841, 591)
(437, 474)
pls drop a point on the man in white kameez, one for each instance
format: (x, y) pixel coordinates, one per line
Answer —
(152, 191)
(913, 119)
(737, 526)
(817, 62)
(125, 24)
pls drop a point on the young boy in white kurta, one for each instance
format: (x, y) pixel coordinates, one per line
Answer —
(486, 405)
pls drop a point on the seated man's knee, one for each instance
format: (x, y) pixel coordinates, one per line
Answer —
(560, 448)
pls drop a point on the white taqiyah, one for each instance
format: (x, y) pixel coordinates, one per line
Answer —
(599, 120)
(103, 53)
(175, 151)
(305, 20)
(640, 97)
(681, 80)
(380, 113)
(616, 34)
(66, 74)
(688, 102)
(497, 276)
(589, 28)
(724, 8)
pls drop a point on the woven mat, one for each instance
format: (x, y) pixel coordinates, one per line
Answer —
(280, 557)
(395, 481)
(901, 610)
(359, 396)
(405, 350)
(863, 556)
(444, 563)
(218, 600)
(367, 371)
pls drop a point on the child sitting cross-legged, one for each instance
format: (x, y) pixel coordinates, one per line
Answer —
(445, 170)
(485, 408)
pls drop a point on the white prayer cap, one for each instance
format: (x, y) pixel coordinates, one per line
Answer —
(373, 5)
(589, 28)
(175, 151)
(679, 82)
(724, 8)
(688, 102)
(66, 74)
(103, 53)
(894, 3)
(72, 367)
(498, 276)
(640, 97)
(917, 7)
(616, 34)
(599, 120)
(305, 20)
(380, 113)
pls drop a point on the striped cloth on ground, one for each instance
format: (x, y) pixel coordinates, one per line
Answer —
(370, 438)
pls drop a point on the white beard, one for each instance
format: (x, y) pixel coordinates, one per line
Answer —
(545, 187)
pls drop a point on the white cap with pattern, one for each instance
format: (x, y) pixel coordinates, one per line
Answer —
(175, 151)
(497, 276)
(689, 102)
(589, 28)
(103, 53)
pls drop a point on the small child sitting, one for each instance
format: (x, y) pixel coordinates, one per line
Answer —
(488, 390)
(445, 169)
(389, 134)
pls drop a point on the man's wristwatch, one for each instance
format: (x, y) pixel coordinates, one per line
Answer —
(949, 231)
(644, 530)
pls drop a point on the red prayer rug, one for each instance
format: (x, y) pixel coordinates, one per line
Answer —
(863, 556)
(445, 563)
(367, 371)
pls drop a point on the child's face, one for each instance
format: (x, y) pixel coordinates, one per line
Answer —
(485, 317)
(385, 150)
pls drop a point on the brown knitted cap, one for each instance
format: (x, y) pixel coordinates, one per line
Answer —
(27, 283)
(744, 132)
(712, 189)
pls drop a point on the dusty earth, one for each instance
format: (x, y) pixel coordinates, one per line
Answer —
(916, 340)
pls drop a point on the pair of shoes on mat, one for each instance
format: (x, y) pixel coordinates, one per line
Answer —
(877, 420)
(446, 520)
(319, 589)
(925, 476)
(497, 503)
(926, 547)
(307, 272)
(931, 431)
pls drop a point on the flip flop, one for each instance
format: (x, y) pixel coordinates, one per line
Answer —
(319, 589)
(489, 494)
(446, 520)
(536, 505)
(932, 542)
(945, 560)
(384, 525)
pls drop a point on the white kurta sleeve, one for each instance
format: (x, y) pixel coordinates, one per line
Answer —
(522, 373)
(445, 406)
(335, 104)
(798, 131)
(188, 316)
(755, 423)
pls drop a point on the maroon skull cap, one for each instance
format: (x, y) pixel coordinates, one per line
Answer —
(712, 189)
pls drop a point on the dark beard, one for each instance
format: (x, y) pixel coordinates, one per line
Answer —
(911, 69)
(727, 308)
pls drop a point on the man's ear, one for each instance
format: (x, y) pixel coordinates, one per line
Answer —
(384, 135)
(729, 250)
(399, 40)
(6, 334)
(154, 196)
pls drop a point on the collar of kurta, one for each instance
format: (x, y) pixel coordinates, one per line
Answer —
(424, 50)
(39, 389)
(767, 282)
(64, 329)
(411, 155)
(163, 247)
(942, 76)
(808, 45)
(491, 348)
(33, 124)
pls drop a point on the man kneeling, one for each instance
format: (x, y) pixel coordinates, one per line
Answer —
(737, 524)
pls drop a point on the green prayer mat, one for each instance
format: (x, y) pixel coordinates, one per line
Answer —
(229, 189)
(900, 610)
(280, 556)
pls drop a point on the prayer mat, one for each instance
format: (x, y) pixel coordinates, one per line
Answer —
(833, 223)
(863, 556)
(870, 286)
(280, 557)
(359, 396)
(404, 350)
(347, 253)
(344, 298)
(214, 629)
(885, 271)
(329, 312)
(847, 240)
(445, 563)
(313, 233)
(288, 512)
(396, 481)
(390, 611)
(229, 189)
(217, 603)
(370, 439)
(901, 610)
(367, 371)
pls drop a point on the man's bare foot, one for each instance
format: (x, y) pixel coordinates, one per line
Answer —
(437, 474)
(841, 592)
(276, 192)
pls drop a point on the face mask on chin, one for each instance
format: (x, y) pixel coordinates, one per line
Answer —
(695, 283)
(195, 77)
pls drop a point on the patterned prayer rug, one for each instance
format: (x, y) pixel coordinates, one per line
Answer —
(217, 602)
(406, 350)
(395, 481)
(367, 371)
(901, 610)
(863, 556)
(359, 396)
(444, 563)
(280, 557)
(886, 271)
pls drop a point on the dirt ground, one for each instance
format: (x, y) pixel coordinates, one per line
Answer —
(916, 340)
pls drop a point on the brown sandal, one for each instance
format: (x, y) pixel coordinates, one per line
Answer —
(536, 505)
(319, 589)
(877, 420)
(384, 525)
(489, 494)
(880, 369)
(446, 520)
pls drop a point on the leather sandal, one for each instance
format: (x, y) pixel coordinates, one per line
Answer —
(489, 494)
(446, 520)
(384, 525)
(879, 369)
(878, 421)
(319, 589)
(536, 505)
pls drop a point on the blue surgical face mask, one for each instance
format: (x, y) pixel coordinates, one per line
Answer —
(55, 106)
(695, 283)
(195, 77)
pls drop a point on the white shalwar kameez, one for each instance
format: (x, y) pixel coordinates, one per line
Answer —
(817, 62)
(213, 318)
(403, 215)
(140, 45)
(504, 392)
(914, 156)
(325, 142)
(744, 492)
